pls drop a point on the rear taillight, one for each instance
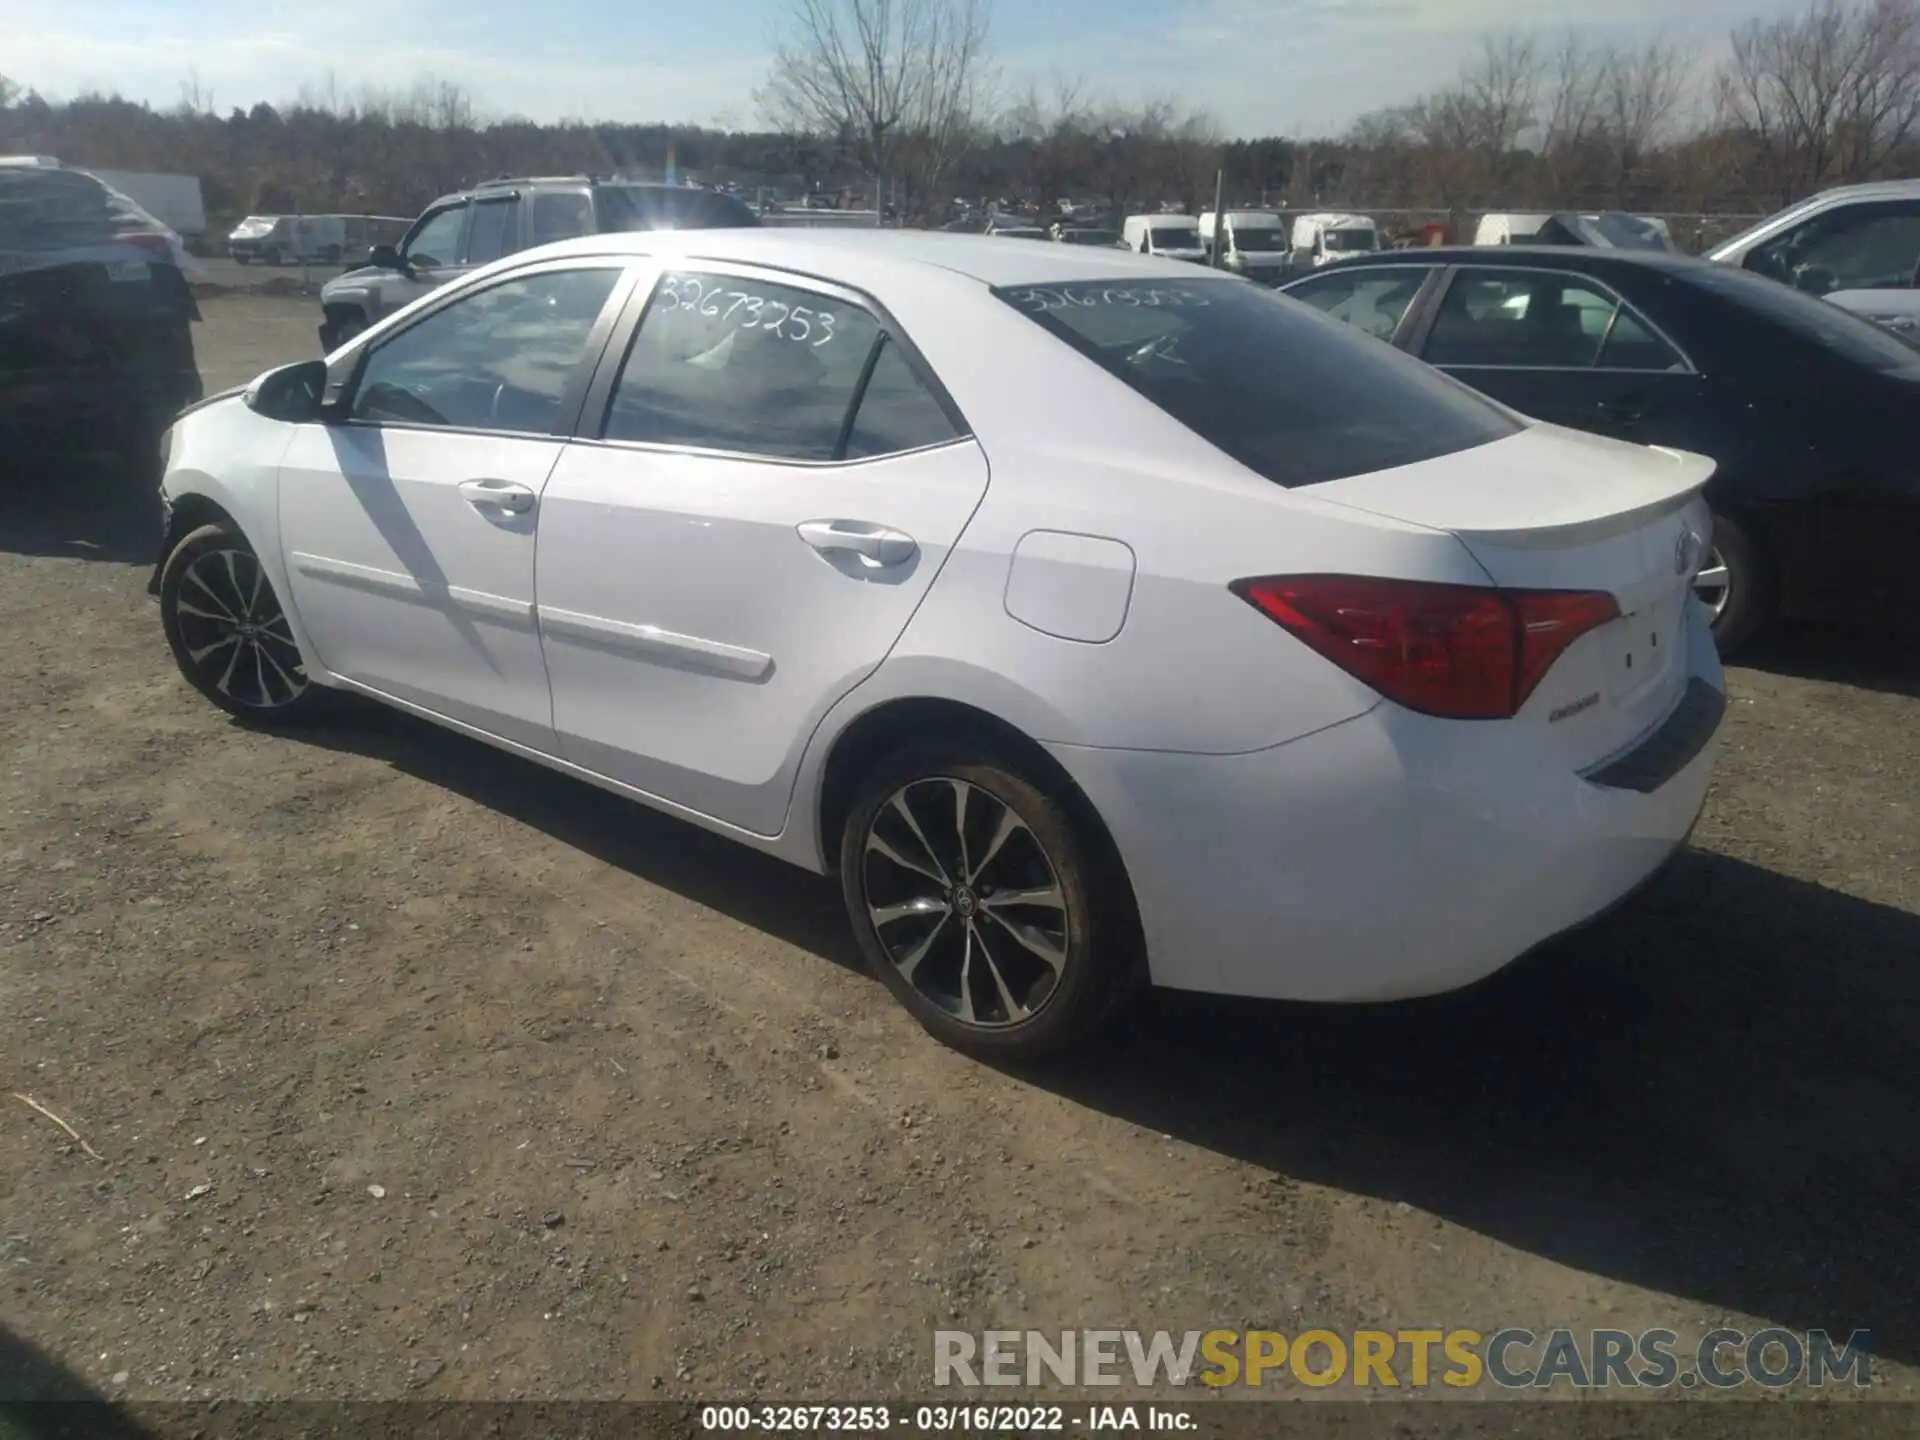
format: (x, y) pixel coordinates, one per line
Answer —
(1463, 652)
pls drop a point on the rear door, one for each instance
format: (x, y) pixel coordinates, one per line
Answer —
(769, 480)
(1377, 299)
(1564, 347)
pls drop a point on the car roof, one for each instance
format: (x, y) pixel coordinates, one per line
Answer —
(848, 256)
(1532, 256)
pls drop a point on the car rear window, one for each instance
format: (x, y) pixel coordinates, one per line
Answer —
(1293, 395)
(671, 207)
(1812, 319)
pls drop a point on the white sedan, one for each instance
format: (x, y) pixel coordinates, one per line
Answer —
(1098, 621)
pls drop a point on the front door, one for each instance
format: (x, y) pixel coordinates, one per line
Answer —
(408, 526)
(775, 483)
(432, 254)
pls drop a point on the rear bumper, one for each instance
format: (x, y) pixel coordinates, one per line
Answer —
(1390, 855)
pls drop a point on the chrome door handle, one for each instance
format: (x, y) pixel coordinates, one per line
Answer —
(500, 494)
(873, 543)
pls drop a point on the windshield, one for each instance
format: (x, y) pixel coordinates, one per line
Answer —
(1294, 396)
(670, 207)
(1853, 339)
(1263, 238)
(1350, 240)
(1176, 237)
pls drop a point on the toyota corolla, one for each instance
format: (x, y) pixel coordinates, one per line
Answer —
(1096, 620)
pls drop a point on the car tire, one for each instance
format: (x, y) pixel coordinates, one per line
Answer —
(243, 260)
(270, 256)
(228, 630)
(1737, 584)
(997, 977)
(347, 328)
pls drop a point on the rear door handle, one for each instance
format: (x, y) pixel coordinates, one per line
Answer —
(1627, 410)
(873, 543)
(499, 494)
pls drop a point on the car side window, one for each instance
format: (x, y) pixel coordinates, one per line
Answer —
(1861, 247)
(1519, 319)
(897, 412)
(561, 215)
(435, 242)
(492, 231)
(1631, 345)
(1373, 300)
(741, 365)
(498, 359)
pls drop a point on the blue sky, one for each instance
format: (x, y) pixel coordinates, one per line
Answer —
(1261, 66)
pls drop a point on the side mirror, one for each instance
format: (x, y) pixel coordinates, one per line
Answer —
(294, 393)
(386, 257)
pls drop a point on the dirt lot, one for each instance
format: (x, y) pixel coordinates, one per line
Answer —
(416, 1070)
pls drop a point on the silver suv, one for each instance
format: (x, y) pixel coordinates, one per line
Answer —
(1859, 237)
(459, 232)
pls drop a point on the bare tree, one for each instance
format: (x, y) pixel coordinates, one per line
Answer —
(1826, 96)
(898, 83)
(1640, 91)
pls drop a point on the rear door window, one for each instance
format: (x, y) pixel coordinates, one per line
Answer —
(724, 362)
(493, 232)
(1520, 319)
(1291, 394)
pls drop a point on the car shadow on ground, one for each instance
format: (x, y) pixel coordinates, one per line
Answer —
(1711, 1093)
(1840, 656)
(79, 507)
(782, 900)
(41, 1399)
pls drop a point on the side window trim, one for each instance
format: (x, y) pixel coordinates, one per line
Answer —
(1620, 303)
(848, 420)
(572, 397)
(597, 399)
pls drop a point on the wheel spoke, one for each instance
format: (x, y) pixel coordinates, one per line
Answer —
(205, 650)
(260, 674)
(225, 682)
(233, 579)
(188, 608)
(1711, 579)
(960, 792)
(879, 845)
(910, 962)
(1048, 896)
(259, 579)
(920, 906)
(193, 574)
(1033, 940)
(966, 980)
(1004, 831)
(900, 808)
(294, 686)
(1015, 1010)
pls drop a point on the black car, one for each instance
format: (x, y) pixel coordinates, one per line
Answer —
(96, 339)
(1811, 412)
(502, 217)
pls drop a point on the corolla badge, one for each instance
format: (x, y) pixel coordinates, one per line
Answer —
(1686, 553)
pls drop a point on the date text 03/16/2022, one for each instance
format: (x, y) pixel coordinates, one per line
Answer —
(946, 1419)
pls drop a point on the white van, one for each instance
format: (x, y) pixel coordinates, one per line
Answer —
(1255, 243)
(1320, 238)
(1509, 229)
(1176, 237)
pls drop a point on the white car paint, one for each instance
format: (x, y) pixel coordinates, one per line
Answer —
(1287, 831)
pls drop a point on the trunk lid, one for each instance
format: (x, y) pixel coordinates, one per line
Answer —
(1555, 509)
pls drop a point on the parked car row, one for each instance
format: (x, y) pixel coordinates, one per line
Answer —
(310, 239)
(1809, 411)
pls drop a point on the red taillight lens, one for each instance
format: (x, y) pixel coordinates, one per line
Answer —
(1463, 652)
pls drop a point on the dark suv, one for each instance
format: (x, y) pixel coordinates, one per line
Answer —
(96, 344)
(459, 232)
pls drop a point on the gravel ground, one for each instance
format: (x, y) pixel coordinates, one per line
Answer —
(412, 1069)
